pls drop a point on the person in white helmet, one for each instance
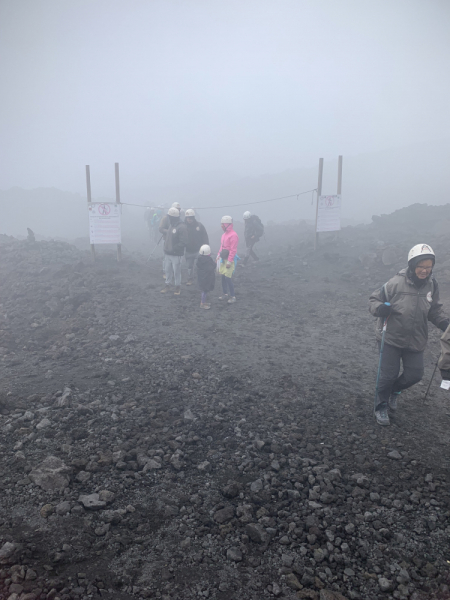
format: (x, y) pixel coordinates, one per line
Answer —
(253, 232)
(174, 245)
(197, 237)
(177, 205)
(227, 252)
(405, 304)
(206, 274)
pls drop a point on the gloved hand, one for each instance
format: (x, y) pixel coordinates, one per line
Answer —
(228, 265)
(384, 310)
(445, 374)
(443, 326)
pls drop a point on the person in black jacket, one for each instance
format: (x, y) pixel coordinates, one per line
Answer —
(197, 237)
(254, 230)
(174, 244)
(206, 275)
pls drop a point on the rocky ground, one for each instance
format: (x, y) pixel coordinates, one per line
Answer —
(153, 450)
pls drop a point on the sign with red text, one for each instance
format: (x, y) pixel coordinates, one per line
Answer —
(329, 213)
(104, 223)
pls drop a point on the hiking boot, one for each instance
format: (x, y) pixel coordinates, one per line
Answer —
(224, 297)
(205, 306)
(232, 300)
(165, 289)
(381, 415)
(393, 401)
(177, 291)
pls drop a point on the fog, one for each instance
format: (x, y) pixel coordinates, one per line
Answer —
(220, 103)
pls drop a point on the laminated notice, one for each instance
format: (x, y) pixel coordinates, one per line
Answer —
(104, 223)
(329, 213)
(445, 385)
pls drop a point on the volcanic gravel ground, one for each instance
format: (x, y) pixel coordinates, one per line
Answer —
(150, 449)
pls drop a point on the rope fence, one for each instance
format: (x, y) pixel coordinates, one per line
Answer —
(242, 204)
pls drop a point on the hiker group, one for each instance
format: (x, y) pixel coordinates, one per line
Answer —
(403, 306)
(188, 238)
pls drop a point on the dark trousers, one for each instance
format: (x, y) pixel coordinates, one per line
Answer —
(390, 381)
(249, 251)
(227, 286)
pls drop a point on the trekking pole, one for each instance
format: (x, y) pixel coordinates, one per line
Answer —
(155, 248)
(383, 335)
(431, 380)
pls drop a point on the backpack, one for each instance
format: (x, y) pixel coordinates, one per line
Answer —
(257, 226)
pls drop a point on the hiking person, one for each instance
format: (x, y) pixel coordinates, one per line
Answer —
(253, 232)
(177, 205)
(155, 221)
(206, 274)
(227, 252)
(444, 359)
(405, 304)
(174, 245)
(197, 237)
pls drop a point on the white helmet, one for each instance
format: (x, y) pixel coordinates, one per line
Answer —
(176, 205)
(420, 252)
(205, 250)
(173, 212)
(190, 212)
(226, 219)
(247, 215)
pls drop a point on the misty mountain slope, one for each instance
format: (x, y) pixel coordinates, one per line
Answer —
(153, 449)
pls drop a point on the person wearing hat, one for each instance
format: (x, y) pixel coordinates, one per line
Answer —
(174, 245)
(227, 252)
(197, 237)
(253, 231)
(206, 275)
(405, 304)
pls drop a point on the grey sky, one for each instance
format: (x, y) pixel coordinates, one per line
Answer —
(173, 88)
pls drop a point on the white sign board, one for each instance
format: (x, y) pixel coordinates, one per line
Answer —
(329, 213)
(104, 223)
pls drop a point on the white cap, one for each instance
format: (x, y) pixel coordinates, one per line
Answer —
(205, 250)
(173, 212)
(176, 205)
(190, 212)
(247, 215)
(226, 219)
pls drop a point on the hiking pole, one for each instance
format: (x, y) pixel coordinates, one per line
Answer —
(383, 335)
(154, 248)
(431, 381)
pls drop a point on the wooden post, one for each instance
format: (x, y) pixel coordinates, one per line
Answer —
(89, 199)
(319, 193)
(339, 186)
(119, 246)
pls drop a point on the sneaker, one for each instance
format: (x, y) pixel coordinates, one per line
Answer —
(205, 306)
(166, 289)
(224, 297)
(393, 401)
(177, 291)
(382, 416)
(189, 282)
(231, 300)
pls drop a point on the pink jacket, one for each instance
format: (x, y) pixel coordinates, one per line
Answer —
(229, 241)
